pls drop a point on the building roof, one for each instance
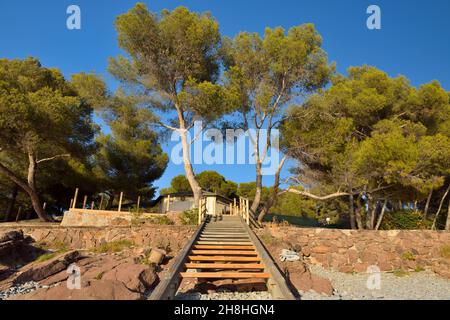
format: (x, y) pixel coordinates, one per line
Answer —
(190, 194)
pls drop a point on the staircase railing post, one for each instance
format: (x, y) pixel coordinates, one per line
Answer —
(200, 212)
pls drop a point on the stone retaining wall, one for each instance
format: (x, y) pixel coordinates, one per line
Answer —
(356, 250)
(162, 236)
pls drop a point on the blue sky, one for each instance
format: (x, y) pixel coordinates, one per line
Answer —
(414, 39)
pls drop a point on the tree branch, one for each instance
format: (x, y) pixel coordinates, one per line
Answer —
(167, 126)
(53, 158)
(316, 197)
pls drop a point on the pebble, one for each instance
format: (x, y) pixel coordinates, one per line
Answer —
(415, 286)
(263, 295)
(24, 288)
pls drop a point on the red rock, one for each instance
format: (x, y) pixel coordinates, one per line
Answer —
(302, 282)
(345, 269)
(5, 272)
(136, 277)
(90, 290)
(43, 270)
(361, 267)
(15, 235)
(321, 285)
(368, 258)
(306, 251)
(352, 255)
(320, 249)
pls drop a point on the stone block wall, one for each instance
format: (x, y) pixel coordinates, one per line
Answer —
(173, 237)
(356, 250)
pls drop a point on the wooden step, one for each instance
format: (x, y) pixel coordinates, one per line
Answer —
(226, 233)
(231, 230)
(224, 266)
(226, 252)
(227, 275)
(224, 239)
(224, 236)
(219, 247)
(224, 258)
(231, 243)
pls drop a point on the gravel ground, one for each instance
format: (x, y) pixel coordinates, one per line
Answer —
(414, 286)
(225, 296)
(21, 289)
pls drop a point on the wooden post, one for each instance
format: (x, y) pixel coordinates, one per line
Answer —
(101, 202)
(18, 213)
(71, 203)
(75, 198)
(200, 212)
(248, 213)
(44, 205)
(138, 203)
(92, 205)
(120, 201)
(168, 203)
(84, 202)
(234, 206)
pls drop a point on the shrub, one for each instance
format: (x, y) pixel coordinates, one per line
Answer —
(445, 251)
(268, 239)
(407, 255)
(419, 269)
(136, 219)
(404, 219)
(163, 219)
(115, 246)
(46, 256)
(400, 273)
(189, 217)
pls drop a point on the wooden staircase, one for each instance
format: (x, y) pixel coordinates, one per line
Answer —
(224, 250)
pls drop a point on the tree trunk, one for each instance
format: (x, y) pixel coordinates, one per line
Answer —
(370, 218)
(28, 189)
(433, 227)
(359, 222)
(273, 196)
(190, 176)
(351, 203)
(427, 205)
(258, 190)
(12, 202)
(447, 224)
(380, 218)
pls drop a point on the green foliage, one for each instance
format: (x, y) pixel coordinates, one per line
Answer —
(408, 255)
(174, 56)
(210, 181)
(269, 239)
(54, 248)
(419, 269)
(162, 220)
(129, 158)
(369, 130)
(400, 273)
(404, 220)
(445, 251)
(292, 205)
(136, 218)
(300, 221)
(42, 115)
(189, 217)
(180, 184)
(248, 189)
(115, 246)
(46, 257)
